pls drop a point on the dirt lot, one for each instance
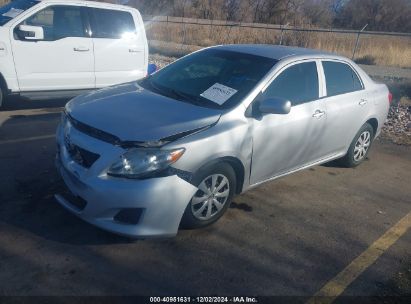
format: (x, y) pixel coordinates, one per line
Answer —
(288, 237)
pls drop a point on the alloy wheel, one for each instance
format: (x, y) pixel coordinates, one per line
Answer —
(362, 145)
(211, 197)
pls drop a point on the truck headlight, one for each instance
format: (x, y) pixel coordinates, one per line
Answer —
(138, 163)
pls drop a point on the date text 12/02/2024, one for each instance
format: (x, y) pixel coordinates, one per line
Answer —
(203, 300)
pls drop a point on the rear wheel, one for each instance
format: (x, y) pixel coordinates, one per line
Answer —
(216, 188)
(360, 146)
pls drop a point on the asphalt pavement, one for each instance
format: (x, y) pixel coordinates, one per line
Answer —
(289, 237)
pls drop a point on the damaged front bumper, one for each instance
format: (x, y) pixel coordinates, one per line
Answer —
(135, 208)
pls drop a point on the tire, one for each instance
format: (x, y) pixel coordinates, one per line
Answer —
(224, 177)
(359, 148)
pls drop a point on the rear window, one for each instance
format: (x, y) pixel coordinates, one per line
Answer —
(111, 24)
(340, 78)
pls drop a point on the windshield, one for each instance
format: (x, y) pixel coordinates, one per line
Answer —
(211, 78)
(13, 9)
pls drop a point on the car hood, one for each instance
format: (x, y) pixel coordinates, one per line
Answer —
(134, 114)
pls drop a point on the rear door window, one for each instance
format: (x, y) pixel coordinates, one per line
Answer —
(111, 24)
(340, 78)
(298, 84)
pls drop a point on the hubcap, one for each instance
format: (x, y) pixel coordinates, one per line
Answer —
(211, 197)
(362, 145)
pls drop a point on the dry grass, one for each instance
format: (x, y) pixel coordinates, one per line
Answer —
(380, 50)
(405, 101)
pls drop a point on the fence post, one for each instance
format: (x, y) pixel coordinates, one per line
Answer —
(282, 33)
(357, 41)
(184, 27)
(184, 35)
(228, 33)
(281, 37)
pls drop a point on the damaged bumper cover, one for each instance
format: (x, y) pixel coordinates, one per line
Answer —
(150, 207)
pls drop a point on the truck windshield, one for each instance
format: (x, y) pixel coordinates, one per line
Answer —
(14, 8)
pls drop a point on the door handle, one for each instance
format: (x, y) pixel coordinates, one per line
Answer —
(318, 114)
(81, 49)
(134, 50)
(363, 102)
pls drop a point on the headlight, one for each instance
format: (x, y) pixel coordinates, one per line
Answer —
(137, 163)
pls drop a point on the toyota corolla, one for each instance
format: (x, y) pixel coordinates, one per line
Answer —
(144, 158)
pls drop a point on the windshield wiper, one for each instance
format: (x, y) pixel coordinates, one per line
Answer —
(155, 87)
(172, 93)
(181, 95)
(166, 91)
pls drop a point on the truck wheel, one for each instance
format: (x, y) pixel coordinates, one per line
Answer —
(216, 187)
(359, 148)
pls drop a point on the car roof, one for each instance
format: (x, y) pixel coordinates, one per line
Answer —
(276, 52)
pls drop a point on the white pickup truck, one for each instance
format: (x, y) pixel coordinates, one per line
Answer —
(55, 47)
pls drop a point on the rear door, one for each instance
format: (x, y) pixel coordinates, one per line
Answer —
(119, 46)
(346, 105)
(64, 59)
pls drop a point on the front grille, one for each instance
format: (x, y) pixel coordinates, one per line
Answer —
(93, 132)
(102, 135)
(81, 156)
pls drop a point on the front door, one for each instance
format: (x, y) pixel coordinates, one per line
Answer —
(64, 60)
(285, 142)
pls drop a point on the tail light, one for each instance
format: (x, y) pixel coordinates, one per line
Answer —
(390, 97)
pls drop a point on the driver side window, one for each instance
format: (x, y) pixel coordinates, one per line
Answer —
(298, 84)
(58, 22)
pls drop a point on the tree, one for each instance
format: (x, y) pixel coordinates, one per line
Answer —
(380, 15)
(319, 12)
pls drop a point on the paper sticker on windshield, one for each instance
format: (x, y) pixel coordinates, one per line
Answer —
(13, 12)
(219, 93)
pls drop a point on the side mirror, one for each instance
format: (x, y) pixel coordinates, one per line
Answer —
(152, 68)
(28, 32)
(274, 105)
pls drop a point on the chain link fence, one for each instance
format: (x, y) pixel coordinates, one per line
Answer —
(176, 36)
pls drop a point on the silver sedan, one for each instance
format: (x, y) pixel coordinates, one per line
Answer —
(142, 159)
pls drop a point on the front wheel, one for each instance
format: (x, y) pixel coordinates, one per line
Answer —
(360, 146)
(216, 188)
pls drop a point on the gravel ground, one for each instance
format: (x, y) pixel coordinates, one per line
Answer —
(398, 126)
(387, 72)
(161, 61)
